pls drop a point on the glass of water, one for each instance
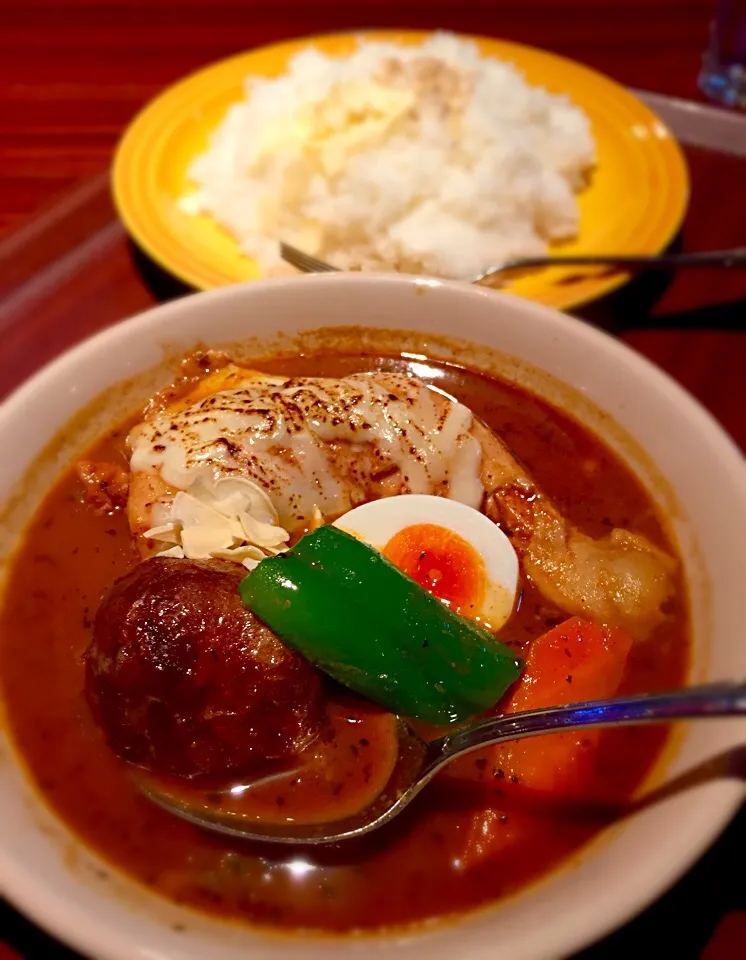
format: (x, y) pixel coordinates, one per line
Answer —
(723, 76)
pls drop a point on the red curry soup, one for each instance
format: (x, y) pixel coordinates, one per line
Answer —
(248, 581)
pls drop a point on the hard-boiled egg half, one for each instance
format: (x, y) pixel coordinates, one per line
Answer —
(452, 550)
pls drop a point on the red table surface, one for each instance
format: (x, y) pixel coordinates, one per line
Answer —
(74, 72)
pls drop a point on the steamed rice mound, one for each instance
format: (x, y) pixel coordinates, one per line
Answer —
(421, 159)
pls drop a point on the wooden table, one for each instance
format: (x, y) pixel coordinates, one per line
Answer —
(73, 73)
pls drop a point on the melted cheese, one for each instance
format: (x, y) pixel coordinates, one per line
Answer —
(316, 445)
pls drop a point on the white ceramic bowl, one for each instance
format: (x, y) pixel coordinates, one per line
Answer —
(678, 451)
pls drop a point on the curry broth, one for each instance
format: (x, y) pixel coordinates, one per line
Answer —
(459, 846)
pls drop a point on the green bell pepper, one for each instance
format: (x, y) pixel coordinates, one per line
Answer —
(347, 609)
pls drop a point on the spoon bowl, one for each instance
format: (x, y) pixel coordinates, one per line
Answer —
(419, 761)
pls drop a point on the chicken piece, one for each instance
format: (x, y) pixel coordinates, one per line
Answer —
(106, 485)
(622, 579)
(185, 680)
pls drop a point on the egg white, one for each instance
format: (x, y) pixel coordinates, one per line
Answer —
(380, 520)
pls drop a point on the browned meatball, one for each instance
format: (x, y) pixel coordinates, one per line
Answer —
(184, 680)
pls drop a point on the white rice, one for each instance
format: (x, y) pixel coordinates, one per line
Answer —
(441, 176)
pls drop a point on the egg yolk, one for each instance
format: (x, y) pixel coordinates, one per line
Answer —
(442, 562)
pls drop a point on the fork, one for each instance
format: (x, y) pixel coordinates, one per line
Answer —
(307, 263)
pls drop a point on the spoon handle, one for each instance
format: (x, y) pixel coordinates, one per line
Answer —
(662, 261)
(712, 700)
(307, 263)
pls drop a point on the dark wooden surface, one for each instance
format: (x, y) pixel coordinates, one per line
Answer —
(73, 72)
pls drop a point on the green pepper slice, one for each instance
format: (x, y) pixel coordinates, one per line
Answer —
(347, 609)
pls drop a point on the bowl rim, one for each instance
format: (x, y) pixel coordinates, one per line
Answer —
(60, 911)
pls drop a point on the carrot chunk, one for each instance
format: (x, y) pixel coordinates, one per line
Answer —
(573, 662)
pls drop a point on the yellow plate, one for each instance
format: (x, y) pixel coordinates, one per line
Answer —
(635, 203)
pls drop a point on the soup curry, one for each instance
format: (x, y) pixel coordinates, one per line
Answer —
(491, 824)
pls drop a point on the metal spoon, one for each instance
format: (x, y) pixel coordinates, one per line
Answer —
(666, 261)
(418, 761)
